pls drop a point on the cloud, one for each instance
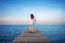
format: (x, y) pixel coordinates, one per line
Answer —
(12, 20)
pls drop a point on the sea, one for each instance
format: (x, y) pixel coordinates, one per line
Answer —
(55, 33)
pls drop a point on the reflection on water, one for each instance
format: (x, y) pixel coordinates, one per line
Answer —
(56, 33)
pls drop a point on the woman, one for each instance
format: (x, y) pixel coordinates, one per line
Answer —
(32, 20)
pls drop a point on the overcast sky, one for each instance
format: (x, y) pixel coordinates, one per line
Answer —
(45, 11)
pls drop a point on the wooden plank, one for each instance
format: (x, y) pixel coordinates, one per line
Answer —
(34, 37)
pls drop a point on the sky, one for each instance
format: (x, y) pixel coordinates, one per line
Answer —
(45, 11)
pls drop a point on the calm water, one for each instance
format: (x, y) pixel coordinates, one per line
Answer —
(55, 33)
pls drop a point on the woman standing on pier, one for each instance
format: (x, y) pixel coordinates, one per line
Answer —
(32, 21)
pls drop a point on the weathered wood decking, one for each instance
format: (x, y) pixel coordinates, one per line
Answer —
(35, 37)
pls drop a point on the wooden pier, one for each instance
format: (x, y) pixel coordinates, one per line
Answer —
(31, 37)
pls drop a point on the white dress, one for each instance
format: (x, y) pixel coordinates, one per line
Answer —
(31, 24)
(31, 21)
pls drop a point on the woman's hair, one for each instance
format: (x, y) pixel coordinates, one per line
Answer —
(32, 16)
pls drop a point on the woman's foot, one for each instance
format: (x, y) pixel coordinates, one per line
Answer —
(31, 30)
